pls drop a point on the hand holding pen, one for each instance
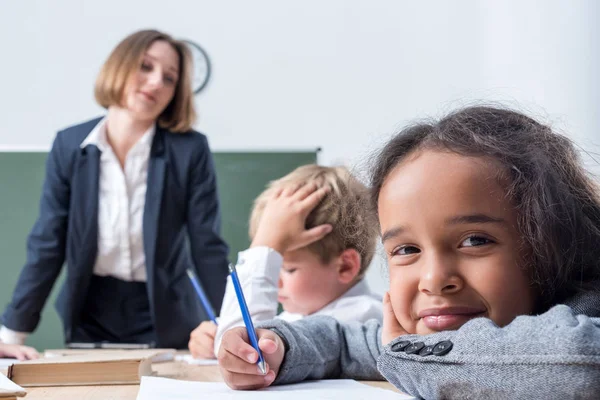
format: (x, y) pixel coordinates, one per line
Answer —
(238, 359)
(202, 341)
(249, 359)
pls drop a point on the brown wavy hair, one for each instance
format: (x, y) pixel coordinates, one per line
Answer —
(126, 59)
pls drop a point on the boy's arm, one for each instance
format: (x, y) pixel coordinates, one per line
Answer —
(258, 270)
(320, 347)
(553, 355)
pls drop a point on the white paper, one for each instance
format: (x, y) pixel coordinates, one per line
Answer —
(195, 361)
(153, 388)
(6, 362)
(9, 386)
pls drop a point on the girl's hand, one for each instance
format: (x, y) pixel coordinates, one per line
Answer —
(237, 358)
(391, 327)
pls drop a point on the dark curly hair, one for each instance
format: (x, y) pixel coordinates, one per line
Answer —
(558, 204)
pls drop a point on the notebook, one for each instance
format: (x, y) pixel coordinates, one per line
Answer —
(109, 368)
(10, 390)
(153, 388)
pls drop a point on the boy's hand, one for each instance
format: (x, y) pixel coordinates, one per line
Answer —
(282, 225)
(202, 340)
(391, 327)
(237, 358)
(17, 351)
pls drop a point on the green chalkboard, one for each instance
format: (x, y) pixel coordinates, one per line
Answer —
(241, 177)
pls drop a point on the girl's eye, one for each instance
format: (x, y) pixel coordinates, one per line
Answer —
(146, 66)
(169, 79)
(474, 241)
(405, 250)
(290, 271)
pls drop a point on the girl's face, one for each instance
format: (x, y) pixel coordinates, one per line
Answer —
(453, 248)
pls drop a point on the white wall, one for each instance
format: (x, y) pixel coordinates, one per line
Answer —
(336, 74)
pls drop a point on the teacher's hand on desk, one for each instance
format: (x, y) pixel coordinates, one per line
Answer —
(17, 351)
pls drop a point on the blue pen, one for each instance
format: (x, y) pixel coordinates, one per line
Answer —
(247, 320)
(203, 299)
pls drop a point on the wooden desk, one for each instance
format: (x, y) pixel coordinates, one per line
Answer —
(175, 370)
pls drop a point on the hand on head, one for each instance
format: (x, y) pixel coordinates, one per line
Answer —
(283, 224)
(237, 358)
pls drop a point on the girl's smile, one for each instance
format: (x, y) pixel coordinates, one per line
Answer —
(454, 250)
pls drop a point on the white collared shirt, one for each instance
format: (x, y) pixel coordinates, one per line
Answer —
(258, 271)
(121, 201)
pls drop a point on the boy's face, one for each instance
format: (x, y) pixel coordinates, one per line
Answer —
(306, 284)
(453, 248)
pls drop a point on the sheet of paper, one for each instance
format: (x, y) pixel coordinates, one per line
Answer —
(195, 361)
(7, 386)
(153, 388)
(6, 362)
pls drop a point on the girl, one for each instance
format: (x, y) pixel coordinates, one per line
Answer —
(491, 230)
(123, 196)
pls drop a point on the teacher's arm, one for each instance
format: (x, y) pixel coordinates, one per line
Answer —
(45, 246)
(209, 250)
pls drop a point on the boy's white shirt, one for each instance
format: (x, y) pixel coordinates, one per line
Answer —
(258, 271)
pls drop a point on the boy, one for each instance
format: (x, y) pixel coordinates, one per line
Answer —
(323, 278)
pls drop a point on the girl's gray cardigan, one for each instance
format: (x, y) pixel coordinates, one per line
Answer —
(555, 355)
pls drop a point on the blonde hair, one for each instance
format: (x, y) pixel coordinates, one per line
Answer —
(345, 207)
(125, 60)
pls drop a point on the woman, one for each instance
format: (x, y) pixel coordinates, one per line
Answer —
(129, 202)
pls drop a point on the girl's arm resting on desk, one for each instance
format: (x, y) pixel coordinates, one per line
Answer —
(553, 355)
(258, 272)
(321, 347)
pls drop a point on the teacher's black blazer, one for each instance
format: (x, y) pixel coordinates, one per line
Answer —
(181, 225)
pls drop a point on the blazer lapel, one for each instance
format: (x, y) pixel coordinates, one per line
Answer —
(155, 183)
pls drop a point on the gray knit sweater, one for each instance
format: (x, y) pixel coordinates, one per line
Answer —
(555, 355)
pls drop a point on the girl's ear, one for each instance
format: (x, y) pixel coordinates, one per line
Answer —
(349, 266)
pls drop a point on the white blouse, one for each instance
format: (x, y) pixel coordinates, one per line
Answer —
(121, 200)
